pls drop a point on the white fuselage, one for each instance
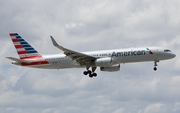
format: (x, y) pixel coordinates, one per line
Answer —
(118, 56)
(107, 60)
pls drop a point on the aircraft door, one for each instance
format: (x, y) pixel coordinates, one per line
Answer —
(157, 53)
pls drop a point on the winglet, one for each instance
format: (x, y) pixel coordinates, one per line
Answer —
(56, 44)
(53, 41)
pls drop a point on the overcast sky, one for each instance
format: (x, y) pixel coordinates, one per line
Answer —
(88, 25)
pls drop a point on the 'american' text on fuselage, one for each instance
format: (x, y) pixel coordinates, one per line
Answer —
(128, 53)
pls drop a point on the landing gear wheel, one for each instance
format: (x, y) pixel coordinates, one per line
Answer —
(94, 74)
(155, 68)
(90, 75)
(85, 72)
(155, 64)
(89, 72)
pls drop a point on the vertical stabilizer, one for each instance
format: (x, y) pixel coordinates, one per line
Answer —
(24, 50)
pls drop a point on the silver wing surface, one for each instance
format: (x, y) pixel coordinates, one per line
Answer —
(81, 58)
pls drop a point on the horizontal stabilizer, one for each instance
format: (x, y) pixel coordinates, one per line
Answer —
(18, 60)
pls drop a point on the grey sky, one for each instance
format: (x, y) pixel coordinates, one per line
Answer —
(84, 25)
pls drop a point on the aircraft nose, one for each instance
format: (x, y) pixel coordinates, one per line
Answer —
(170, 55)
(173, 55)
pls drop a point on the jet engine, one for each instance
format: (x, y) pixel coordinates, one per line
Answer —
(104, 62)
(111, 68)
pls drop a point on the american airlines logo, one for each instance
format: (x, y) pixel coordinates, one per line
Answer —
(150, 52)
(128, 53)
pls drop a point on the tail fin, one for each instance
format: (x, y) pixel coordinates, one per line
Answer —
(24, 49)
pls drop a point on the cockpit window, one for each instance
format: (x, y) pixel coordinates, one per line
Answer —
(167, 50)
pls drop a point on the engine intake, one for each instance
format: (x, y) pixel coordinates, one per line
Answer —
(104, 62)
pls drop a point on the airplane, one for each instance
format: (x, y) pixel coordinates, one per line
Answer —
(106, 60)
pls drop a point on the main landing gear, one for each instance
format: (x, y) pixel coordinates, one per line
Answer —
(155, 64)
(91, 73)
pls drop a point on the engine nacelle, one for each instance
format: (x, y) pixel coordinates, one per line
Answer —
(111, 68)
(104, 62)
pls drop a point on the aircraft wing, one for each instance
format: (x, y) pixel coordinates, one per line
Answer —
(81, 58)
(18, 60)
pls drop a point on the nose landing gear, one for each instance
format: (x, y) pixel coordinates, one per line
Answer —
(155, 64)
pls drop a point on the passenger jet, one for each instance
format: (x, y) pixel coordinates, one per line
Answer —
(107, 60)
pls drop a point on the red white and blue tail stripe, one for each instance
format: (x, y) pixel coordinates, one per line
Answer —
(24, 50)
